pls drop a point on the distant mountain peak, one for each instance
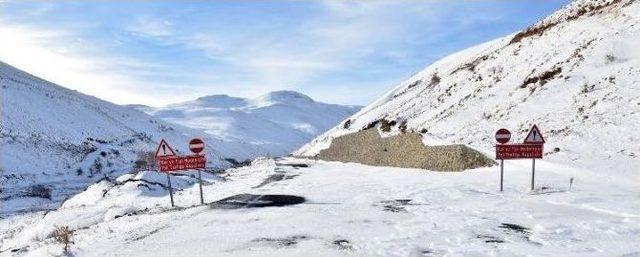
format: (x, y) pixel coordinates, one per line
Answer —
(217, 97)
(284, 96)
(218, 100)
(227, 101)
(278, 121)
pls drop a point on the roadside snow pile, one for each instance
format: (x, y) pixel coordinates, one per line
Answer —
(108, 200)
(278, 122)
(575, 74)
(338, 209)
(55, 141)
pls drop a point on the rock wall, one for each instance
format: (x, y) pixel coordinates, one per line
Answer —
(404, 150)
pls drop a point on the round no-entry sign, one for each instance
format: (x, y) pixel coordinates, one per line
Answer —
(503, 136)
(196, 145)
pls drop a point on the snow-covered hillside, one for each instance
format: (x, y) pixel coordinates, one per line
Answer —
(58, 140)
(278, 122)
(576, 74)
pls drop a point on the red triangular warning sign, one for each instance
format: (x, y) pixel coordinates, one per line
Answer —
(164, 150)
(534, 136)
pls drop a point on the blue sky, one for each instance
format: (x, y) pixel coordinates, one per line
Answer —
(163, 52)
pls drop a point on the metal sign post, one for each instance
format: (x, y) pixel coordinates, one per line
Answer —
(534, 137)
(501, 173)
(170, 189)
(570, 183)
(502, 136)
(200, 182)
(533, 173)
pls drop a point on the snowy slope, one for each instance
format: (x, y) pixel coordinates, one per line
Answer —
(350, 210)
(65, 140)
(278, 122)
(576, 74)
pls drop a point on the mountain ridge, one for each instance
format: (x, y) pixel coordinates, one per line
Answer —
(576, 84)
(279, 121)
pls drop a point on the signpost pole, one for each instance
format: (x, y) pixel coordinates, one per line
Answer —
(501, 173)
(170, 189)
(533, 173)
(200, 180)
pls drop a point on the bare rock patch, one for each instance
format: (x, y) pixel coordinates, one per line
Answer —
(405, 150)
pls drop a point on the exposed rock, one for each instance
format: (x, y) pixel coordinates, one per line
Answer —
(404, 150)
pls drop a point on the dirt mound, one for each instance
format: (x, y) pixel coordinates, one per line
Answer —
(404, 150)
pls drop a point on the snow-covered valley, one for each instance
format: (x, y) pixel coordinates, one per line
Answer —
(278, 122)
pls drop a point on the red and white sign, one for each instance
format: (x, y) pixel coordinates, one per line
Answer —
(164, 150)
(532, 148)
(196, 145)
(182, 163)
(534, 136)
(168, 161)
(503, 136)
(519, 151)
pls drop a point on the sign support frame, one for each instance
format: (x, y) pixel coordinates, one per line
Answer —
(168, 161)
(532, 147)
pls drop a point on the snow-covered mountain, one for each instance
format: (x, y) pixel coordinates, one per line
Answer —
(58, 140)
(576, 74)
(278, 122)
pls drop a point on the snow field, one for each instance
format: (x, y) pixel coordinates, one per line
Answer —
(359, 210)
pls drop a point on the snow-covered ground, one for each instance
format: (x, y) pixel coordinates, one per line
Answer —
(278, 122)
(350, 210)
